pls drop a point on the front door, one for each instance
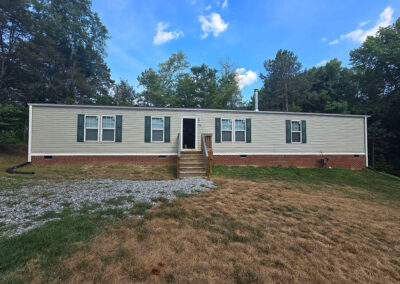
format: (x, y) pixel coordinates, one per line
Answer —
(189, 133)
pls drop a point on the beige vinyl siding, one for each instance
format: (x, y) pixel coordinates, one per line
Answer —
(54, 131)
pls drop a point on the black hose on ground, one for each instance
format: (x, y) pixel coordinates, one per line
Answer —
(12, 169)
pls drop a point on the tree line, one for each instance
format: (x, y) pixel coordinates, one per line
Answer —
(53, 51)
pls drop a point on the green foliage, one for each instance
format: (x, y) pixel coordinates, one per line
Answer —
(13, 124)
(124, 93)
(280, 80)
(54, 52)
(175, 85)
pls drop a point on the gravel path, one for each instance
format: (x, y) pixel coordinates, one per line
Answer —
(29, 207)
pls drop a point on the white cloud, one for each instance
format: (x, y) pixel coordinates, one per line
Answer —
(208, 7)
(245, 78)
(225, 4)
(212, 23)
(163, 36)
(322, 63)
(364, 23)
(336, 41)
(360, 35)
(324, 39)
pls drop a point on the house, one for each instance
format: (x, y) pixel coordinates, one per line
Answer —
(194, 138)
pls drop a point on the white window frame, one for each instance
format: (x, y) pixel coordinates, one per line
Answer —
(240, 130)
(232, 130)
(291, 131)
(98, 128)
(115, 126)
(151, 129)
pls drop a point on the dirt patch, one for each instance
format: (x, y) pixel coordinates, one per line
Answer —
(249, 232)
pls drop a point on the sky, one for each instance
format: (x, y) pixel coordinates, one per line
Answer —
(145, 33)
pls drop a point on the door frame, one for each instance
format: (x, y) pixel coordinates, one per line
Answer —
(195, 135)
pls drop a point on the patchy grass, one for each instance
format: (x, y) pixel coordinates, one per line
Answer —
(249, 232)
(42, 247)
(139, 208)
(93, 171)
(262, 225)
(363, 184)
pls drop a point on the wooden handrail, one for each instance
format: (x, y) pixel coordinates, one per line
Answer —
(178, 158)
(179, 144)
(207, 160)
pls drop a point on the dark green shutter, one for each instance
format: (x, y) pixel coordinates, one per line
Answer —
(147, 129)
(118, 128)
(81, 128)
(303, 132)
(248, 130)
(167, 129)
(217, 130)
(288, 131)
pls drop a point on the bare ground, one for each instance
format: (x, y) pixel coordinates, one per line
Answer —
(247, 232)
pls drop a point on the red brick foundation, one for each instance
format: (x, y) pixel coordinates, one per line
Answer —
(301, 161)
(78, 160)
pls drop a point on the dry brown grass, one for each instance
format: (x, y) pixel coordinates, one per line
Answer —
(248, 232)
(16, 154)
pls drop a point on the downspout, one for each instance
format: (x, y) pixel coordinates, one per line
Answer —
(366, 140)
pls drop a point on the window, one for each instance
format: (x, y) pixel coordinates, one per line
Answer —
(108, 128)
(226, 129)
(296, 131)
(92, 128)
(240, 130)
(157, 129)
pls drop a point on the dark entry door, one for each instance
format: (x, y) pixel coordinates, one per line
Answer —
(189, 133)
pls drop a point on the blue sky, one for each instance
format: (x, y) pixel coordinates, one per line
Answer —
(144, 33)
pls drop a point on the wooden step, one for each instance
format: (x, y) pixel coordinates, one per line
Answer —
(192, 175)
(183, 158)
(192, 171)
(189, 168)
(191, 164)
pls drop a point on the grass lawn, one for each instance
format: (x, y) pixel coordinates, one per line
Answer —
(260, 225)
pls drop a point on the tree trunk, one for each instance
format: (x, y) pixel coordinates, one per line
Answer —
(286, 96)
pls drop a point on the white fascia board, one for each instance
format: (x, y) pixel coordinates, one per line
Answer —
(198, 109)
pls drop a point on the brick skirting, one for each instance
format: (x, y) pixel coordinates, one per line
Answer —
(302, 161)
(78, 160)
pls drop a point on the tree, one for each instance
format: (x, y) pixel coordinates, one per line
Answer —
(160, 86)
(281, 71)
(15, 29)
(377, 66)
(52, 51)
(229, 93)
(124, 93)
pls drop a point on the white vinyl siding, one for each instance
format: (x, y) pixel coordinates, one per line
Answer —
(91, 128)
(54, 131)
(157, 129)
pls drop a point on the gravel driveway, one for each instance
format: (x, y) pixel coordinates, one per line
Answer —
(29, 207)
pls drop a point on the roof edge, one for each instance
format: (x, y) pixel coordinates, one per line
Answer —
(196, 109)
